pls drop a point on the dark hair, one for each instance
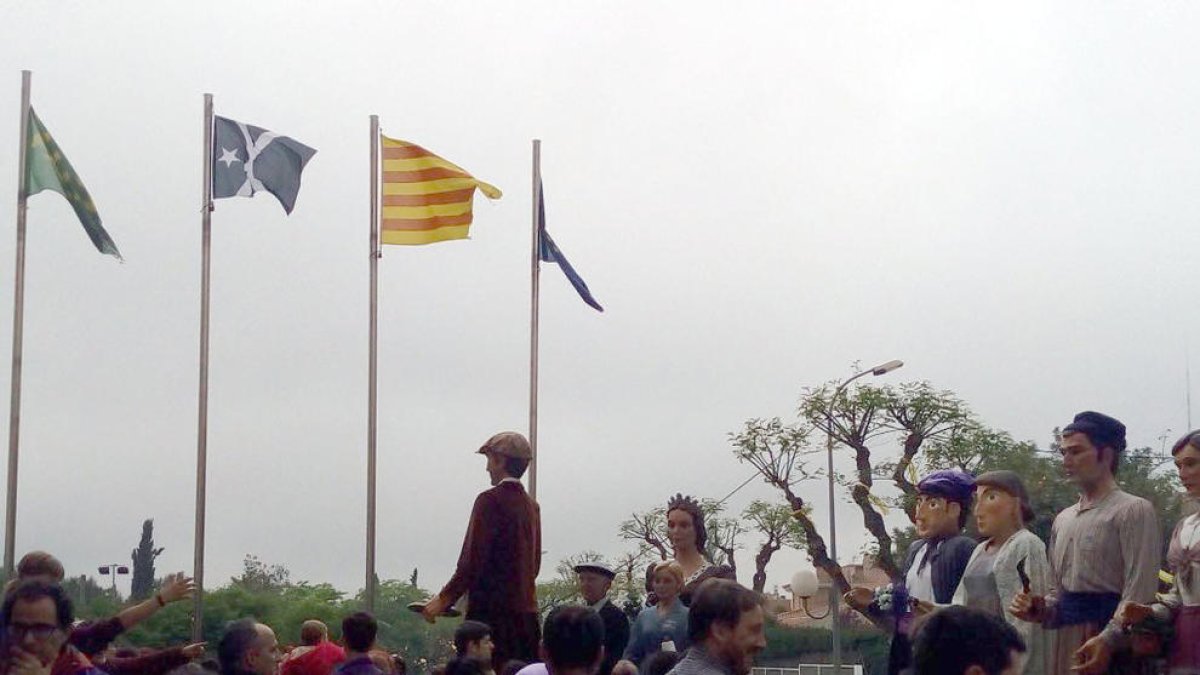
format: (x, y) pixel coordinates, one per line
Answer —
(718, 601)
(573, 637)
(660, 663)
(692, 508)
(464, 666)
(1099, 440)
(512, 666)
(34, 590)
(956, 638)
(1191, 438)
(964, 510)
(514, 466)
(468, 632)
(238, 638)
(359, 630)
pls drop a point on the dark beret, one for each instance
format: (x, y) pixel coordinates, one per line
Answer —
(1100, 428)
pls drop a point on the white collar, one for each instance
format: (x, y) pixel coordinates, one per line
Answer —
(600, 604)
(509, 479)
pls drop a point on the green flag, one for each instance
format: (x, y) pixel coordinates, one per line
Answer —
(46, 168)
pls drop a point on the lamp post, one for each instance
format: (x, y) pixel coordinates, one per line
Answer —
(112, 570)
(805, 585)
(881, 369)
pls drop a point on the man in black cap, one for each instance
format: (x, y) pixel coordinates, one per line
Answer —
(1103, 550)
(501, 556)
(595, 579)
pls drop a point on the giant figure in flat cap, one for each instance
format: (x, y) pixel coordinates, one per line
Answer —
(501, 556)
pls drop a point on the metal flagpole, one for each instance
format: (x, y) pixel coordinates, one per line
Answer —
(202, 433)
(535, 273)
(14, 403)
(372, 361)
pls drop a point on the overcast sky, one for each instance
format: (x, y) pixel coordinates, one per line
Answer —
(1002, 195)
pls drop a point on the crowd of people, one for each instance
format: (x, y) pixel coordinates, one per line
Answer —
(1086, 602)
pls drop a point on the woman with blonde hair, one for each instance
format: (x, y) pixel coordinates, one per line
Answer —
(663, 627)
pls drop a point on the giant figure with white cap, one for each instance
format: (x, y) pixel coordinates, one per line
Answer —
(501, 556)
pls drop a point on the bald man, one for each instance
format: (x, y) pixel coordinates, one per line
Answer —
(316, 655)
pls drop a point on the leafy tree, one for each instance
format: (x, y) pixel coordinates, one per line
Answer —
(143, 557)
(723, 534)
(258, 576)
(779, 453)
(920, 413)
(776, 524)
(857, 417)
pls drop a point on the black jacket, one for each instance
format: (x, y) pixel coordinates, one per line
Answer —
(616, 635)
(949, 560)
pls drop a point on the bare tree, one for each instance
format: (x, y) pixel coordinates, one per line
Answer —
(648, 529)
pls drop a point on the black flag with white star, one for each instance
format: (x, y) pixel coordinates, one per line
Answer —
(248, 159)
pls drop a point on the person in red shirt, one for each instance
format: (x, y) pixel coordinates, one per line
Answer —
(316, 655)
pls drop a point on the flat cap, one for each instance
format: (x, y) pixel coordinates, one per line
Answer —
(509, 444)
(597, 567)
(1010, 482)
(952, 484)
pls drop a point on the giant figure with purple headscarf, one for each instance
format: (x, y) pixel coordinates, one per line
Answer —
(935, 562)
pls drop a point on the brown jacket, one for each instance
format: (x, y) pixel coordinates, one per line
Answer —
(501, 555)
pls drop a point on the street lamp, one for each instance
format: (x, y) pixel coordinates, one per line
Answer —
(804, 584)
(881, 369)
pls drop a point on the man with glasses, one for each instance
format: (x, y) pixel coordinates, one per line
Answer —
(37, 618)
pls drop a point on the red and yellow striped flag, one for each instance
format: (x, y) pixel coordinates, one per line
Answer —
(425, 198)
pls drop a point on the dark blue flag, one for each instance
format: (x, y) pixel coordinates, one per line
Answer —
(549, 252)
(248, 159)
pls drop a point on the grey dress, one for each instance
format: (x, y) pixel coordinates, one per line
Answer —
(1000, 578)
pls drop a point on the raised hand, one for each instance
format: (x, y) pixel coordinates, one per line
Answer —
(177, 587)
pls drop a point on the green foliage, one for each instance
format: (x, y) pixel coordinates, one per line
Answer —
(266, 593)
(786, 646)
